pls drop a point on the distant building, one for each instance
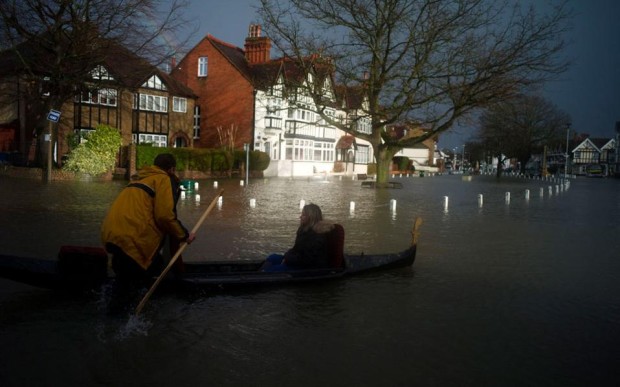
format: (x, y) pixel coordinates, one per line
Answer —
(246, 97)
(594, 151)
(125, 92)
(424, 156)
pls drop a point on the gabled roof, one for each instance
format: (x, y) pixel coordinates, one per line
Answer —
(350, 96)
(597, 143)
(610, 144)
(266, 74)
(128, 69)
(234, 55)
(132, 71)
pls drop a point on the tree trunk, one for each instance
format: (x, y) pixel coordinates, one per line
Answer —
(500, 165)
(384, 157)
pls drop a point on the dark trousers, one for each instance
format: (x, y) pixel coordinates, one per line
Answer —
(131, 280)
(126, 269)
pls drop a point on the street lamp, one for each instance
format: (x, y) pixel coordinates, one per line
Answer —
(246, 147)
(566, 153)
(454, 157)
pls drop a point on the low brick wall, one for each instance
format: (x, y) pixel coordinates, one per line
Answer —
(57, 174)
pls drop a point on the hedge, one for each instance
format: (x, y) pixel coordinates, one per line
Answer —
(202, 159)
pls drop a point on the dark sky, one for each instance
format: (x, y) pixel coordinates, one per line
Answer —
(589, 92)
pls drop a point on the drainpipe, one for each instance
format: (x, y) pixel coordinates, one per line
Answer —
(253, 140)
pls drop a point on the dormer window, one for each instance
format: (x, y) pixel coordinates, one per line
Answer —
(203, 64)
(101, 73)
(154, 82)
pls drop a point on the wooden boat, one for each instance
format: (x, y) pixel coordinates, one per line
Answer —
(83, 268)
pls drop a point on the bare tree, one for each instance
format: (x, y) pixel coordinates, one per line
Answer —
(53, 46)
(518, 127)
(425, 61)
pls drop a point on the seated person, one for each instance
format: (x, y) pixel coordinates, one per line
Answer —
(310, 248)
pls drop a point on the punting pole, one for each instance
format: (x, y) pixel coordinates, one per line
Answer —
(177, 255)
(415, 231)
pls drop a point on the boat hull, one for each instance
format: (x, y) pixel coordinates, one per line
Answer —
(81, 268)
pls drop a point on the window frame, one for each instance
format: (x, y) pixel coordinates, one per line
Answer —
(203, 66)
(179, 104)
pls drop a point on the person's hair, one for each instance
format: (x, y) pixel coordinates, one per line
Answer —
(165, 161)
(314, 214)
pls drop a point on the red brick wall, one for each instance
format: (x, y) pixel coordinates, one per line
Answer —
(225, 95)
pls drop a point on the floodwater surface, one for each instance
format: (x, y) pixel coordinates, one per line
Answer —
(519, 292)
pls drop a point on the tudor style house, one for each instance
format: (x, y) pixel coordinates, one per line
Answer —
(125, 92)
(594, 151)
(245, 97)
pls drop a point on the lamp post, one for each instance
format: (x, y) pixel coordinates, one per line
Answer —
(247, 163)
(566, 153)
(454, 157)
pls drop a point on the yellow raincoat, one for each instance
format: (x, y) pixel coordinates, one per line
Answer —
(142, 215)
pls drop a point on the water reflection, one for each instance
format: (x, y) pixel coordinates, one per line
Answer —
(518, 293)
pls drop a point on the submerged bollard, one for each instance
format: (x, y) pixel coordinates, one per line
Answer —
(393, 204)
(241, 183)
(480, 200)
(215, 184)
(302, 203)
(542, 192)
(220, 200)
(557, 189)
(197, 198)
(507, 197)
(196, 185)
(527, 194)
(352, 206)
(445, 203)
(252, 203)
(550, 190)
(182, 194)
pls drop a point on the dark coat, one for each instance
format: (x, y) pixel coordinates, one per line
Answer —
(310, 248)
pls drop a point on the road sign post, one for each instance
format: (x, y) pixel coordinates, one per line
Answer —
(53, 116)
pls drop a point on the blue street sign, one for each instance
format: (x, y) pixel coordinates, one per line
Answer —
(53, 115)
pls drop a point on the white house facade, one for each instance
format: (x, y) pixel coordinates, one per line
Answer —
(299, 141)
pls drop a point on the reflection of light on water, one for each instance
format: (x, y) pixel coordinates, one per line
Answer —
(135, 326)
(118, 326)
(123, 328)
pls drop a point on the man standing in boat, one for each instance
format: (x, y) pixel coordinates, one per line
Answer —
(139, 220)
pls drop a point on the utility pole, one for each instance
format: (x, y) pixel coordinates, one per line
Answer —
(543, 173)
(52, 117)
(566, 153)
(48, 170)
(247, 163)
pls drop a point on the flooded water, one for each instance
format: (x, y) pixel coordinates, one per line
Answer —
(508, 293)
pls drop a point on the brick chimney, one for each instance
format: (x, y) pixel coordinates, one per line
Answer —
(257, 48)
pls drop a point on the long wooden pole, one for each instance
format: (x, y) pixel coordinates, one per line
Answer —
(177, 255)
(416, 230)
